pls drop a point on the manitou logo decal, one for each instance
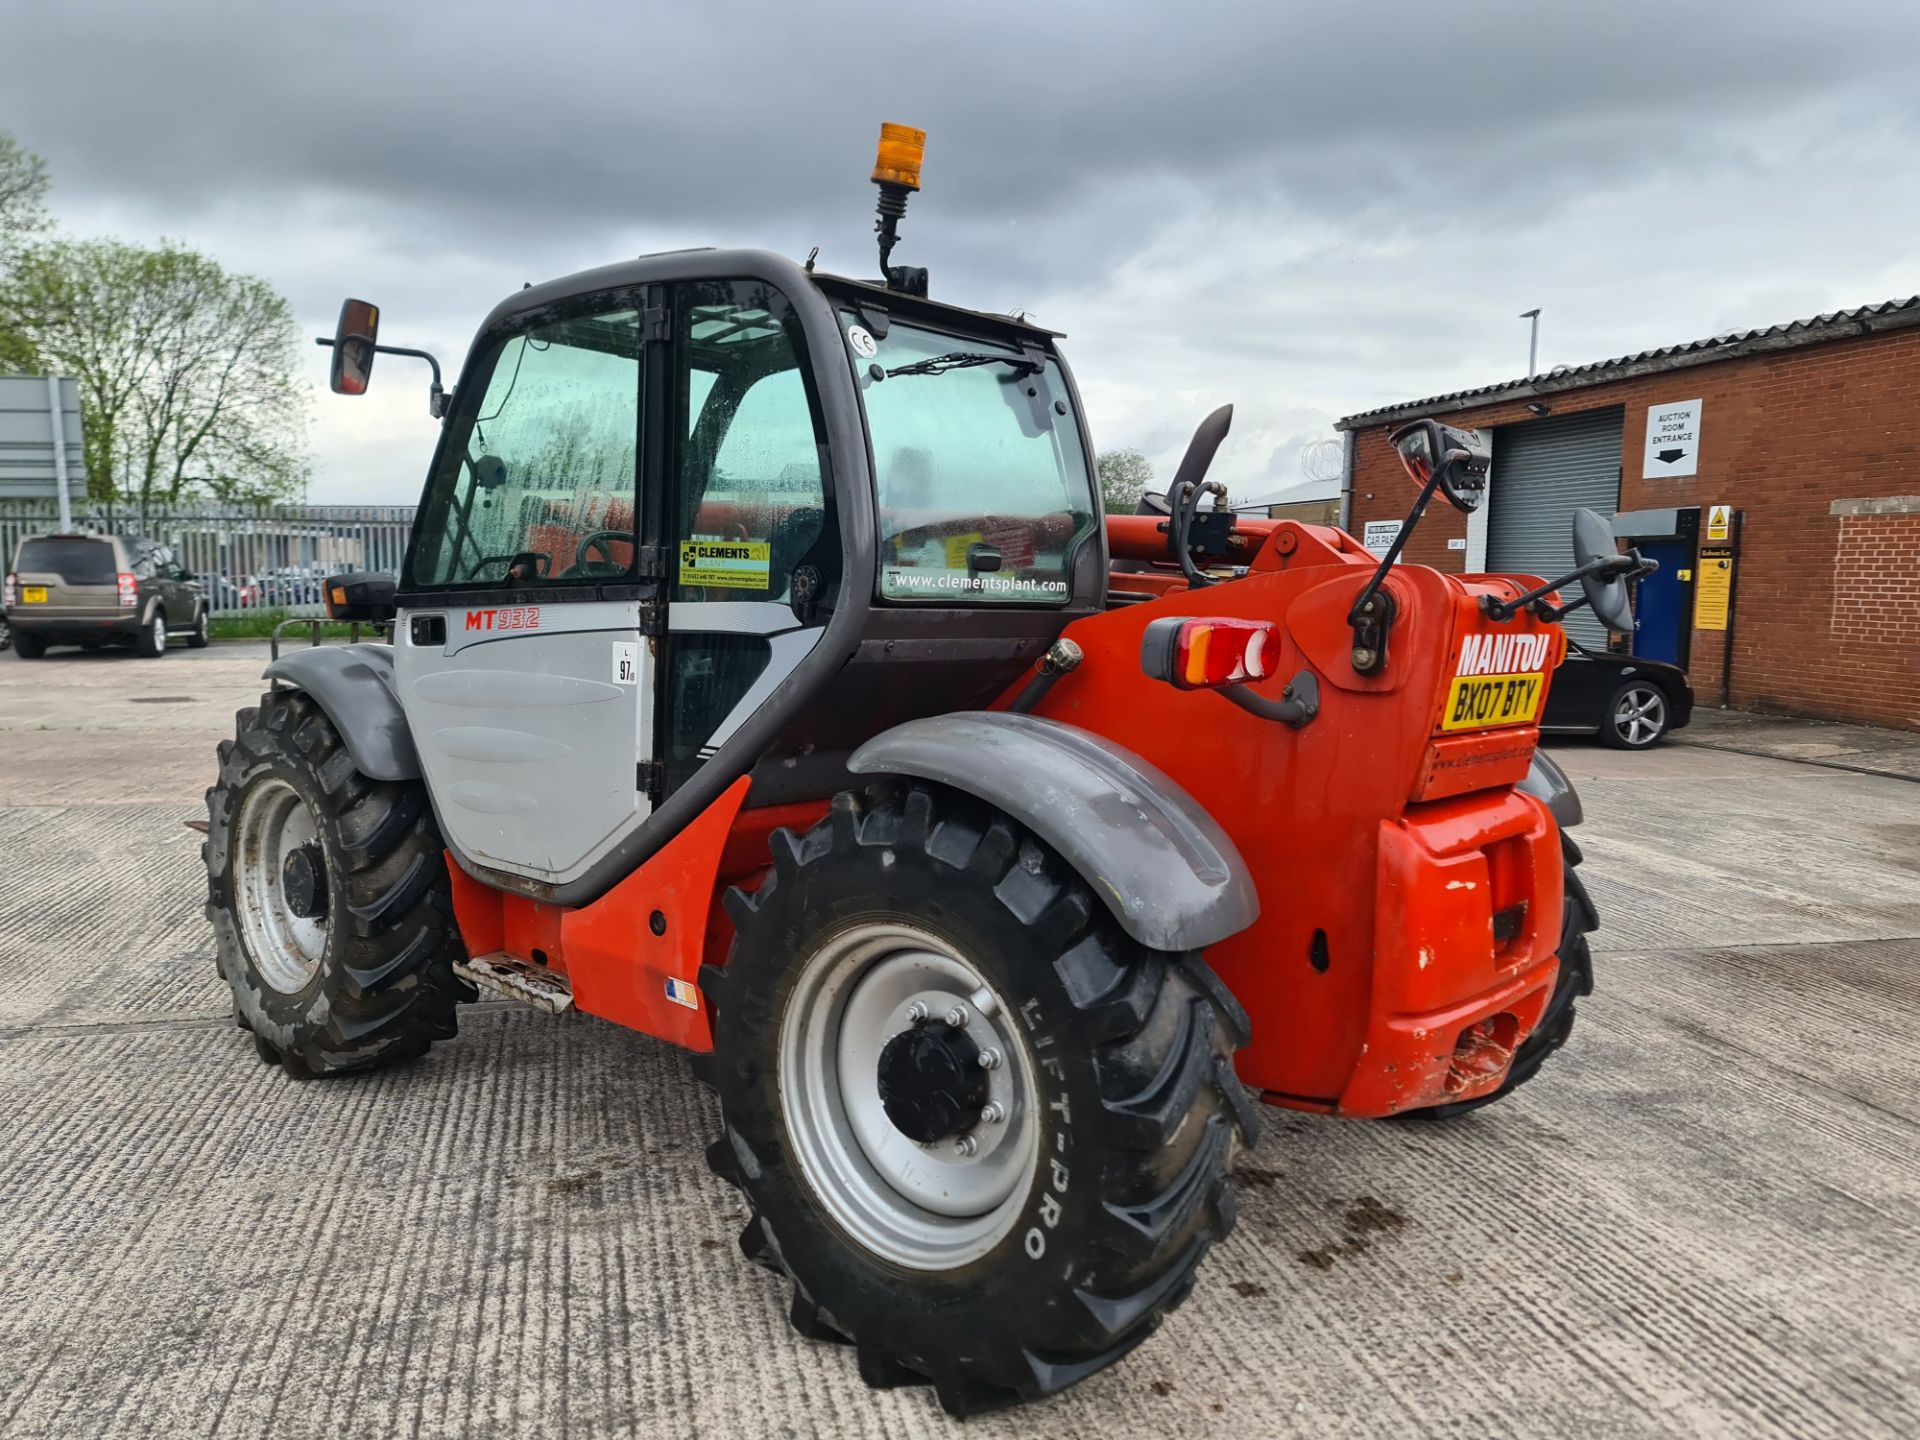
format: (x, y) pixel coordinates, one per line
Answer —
(511, 617)
(1503, 654)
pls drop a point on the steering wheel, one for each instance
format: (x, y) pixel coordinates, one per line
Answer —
(599, 540)
(543, 562)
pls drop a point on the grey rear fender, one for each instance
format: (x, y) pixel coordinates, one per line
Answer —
(1170, 875)
(1549, 784)
(354, 685)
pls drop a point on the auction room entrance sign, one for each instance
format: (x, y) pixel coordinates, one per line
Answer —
(1673, 440)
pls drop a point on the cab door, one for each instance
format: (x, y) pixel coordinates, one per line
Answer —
(753, 538)
(524, 648)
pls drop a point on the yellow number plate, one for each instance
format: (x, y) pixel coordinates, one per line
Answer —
(33, 594)
(1484, 702)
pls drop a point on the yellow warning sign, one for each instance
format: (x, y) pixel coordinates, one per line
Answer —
(1713, 591)
(957, 547)
(1719, 520)
(726, 564)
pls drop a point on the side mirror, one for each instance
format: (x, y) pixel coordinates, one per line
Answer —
(1606, 591)
(1453, 461)
(366, 596)
(353, 347)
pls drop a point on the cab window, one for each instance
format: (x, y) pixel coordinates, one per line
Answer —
(537, 479)
(983, 488)
(756, 547)
(751, 496)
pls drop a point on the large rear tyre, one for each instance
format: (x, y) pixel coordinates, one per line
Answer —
(28, 647)
(329, 895)
(1577, 918)
(985, 1133)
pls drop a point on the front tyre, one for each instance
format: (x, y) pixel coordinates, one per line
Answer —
(201, 635)
(985, 1133)
(329, 895)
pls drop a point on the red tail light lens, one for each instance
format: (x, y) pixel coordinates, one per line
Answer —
(1207, 654)
(129, 591)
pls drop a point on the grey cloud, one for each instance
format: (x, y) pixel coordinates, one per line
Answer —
(1306, 208)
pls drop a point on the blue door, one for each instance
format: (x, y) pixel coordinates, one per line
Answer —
(1660, 609)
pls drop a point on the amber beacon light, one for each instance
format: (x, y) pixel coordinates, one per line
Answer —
(896, 170)
(902, 148)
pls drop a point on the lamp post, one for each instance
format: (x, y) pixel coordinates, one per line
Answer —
(1533, 339)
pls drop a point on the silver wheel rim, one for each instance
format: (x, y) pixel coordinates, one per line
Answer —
(200, 626)
(1640, 715)
(159, 631)
(932, 1207)
(286, 948)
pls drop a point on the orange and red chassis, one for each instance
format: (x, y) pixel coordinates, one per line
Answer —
(1410, 897)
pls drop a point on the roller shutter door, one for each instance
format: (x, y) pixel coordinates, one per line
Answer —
(1542, 472)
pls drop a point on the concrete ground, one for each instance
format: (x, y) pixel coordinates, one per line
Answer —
(1703, 1219)
(1826, 743)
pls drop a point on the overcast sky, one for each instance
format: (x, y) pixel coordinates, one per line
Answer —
(1304, 209)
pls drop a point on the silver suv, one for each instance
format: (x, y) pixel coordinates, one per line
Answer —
(95, 590)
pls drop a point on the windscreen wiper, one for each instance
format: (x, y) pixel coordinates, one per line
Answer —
(966, 359)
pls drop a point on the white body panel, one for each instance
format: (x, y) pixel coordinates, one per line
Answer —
(531, 722)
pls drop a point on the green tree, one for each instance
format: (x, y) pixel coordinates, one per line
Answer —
(1125, 476)
(186, 373)
(23, 213)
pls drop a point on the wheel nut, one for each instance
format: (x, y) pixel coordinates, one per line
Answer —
(916, 1012)
(989, 1059)
(957, 1016)
(965, 1146)
(991, 1112)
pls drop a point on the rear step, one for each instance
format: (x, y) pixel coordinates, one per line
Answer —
(518, 979)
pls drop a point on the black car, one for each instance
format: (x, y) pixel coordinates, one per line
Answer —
(1627, 700)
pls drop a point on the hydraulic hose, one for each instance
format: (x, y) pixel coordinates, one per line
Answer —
(1186, 506)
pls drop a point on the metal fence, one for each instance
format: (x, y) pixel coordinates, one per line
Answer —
(266, 557)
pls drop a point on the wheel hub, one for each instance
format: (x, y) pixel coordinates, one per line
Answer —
(932, 1083)
(892, 1035)
(303, 880)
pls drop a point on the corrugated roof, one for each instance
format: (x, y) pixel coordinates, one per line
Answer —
(1835, 325)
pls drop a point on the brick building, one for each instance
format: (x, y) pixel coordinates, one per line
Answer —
(1802, 595)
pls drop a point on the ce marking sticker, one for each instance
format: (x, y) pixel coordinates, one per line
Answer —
(862, 342)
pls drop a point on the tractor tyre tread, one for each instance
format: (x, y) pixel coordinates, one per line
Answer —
(384, 990)
(1153, 1034)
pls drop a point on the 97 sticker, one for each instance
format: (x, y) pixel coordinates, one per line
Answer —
(626, 662)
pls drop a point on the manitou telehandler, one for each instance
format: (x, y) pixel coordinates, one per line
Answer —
(764, 677)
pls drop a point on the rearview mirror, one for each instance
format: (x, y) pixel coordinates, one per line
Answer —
(1454, 461)
(353, 347)
(1606, 592)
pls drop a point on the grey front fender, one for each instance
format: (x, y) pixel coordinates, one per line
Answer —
(1548, 783)
(354, 684)
(1162, 864)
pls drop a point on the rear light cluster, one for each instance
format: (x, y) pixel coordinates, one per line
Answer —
(10, 595)
(1209, 654)
(129, 590)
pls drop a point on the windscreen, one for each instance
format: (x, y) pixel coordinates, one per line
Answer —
(75, 561)
(983, 486)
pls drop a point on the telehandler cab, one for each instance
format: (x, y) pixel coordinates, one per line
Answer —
(764, 677)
